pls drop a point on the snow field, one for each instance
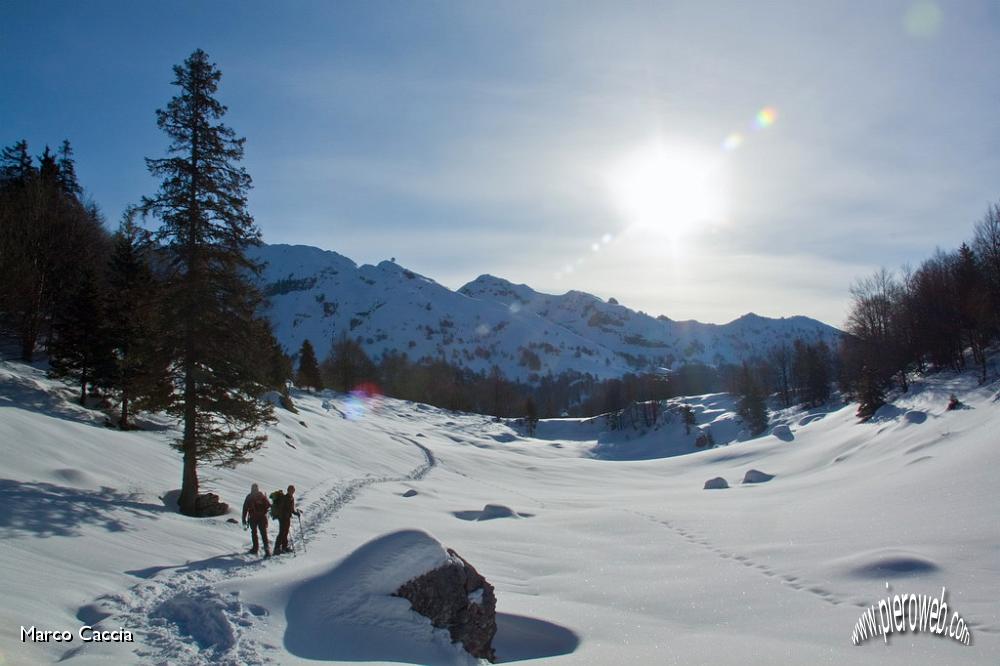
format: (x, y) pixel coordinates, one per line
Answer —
(594, 560)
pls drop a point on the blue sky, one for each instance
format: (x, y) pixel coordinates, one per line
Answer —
(485, 137)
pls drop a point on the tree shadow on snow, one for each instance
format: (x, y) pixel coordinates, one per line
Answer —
(24, 393)
(46, 509)
(221, 562)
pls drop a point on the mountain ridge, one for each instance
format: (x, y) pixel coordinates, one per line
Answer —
(322, 295)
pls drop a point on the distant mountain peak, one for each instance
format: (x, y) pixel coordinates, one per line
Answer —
(320, 295)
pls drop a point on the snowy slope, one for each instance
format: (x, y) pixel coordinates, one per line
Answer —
(601, 559)
(320, 295)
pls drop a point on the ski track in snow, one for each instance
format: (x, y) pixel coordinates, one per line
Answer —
(217, 629)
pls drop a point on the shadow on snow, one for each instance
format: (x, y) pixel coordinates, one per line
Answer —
(47, 509)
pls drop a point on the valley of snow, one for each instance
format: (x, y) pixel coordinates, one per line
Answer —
(604, 547)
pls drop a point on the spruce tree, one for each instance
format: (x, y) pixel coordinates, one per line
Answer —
(79, 346)
(347, 366)
(753, 406)
(48, 168)
(308, 376)
(48, 238)
(688, 418)
(210, 299)
(140, 361)
(67, 171)
(871, 394)
(20, 246)
(275, 365)
(15, 163)
(530, 415)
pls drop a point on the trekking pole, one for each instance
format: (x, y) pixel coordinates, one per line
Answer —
(301, 533)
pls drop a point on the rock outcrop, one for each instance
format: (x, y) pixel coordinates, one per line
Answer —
(456, 597)
(209, 504)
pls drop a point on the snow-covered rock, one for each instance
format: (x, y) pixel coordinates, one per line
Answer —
(782, 432)
(356, 609)
(456, 597)
(756, 476)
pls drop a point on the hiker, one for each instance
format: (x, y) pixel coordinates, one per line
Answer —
(255, 508)
(284, 510)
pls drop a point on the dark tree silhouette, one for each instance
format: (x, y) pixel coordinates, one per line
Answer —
(309, 375)
(347, 366)
(530, 415)
(79, 347)
(134, 325)
(67, 171)
(753, 407)
(688, 418)
(48, 237)
(210, 300)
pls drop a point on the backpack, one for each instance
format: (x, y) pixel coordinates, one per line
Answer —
(277, 501)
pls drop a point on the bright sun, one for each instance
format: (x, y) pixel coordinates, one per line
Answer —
(668, 189)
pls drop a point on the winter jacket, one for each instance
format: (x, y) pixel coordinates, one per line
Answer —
(255, 507)
(287, 507)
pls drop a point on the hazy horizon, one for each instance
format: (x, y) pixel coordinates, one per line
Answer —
(699, 161)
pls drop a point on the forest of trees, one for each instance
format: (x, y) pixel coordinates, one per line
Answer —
(941, 315)
(50, 237)
(798, 374)
(164, 320)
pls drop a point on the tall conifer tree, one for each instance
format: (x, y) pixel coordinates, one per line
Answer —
(210, 300)
(309, 367)
(79, 346)
(140, 360)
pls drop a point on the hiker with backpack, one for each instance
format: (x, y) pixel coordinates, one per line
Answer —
(255, 508)
(282, 509)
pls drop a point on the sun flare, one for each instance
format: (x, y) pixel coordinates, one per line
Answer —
(668, 189)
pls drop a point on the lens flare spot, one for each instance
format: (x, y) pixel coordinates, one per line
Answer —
(922, 19)
(766, 117)
(514, 307)
(363, 399)
(732, 142)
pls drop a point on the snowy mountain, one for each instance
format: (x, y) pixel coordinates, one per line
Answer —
(321, 295)
(602, 545)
